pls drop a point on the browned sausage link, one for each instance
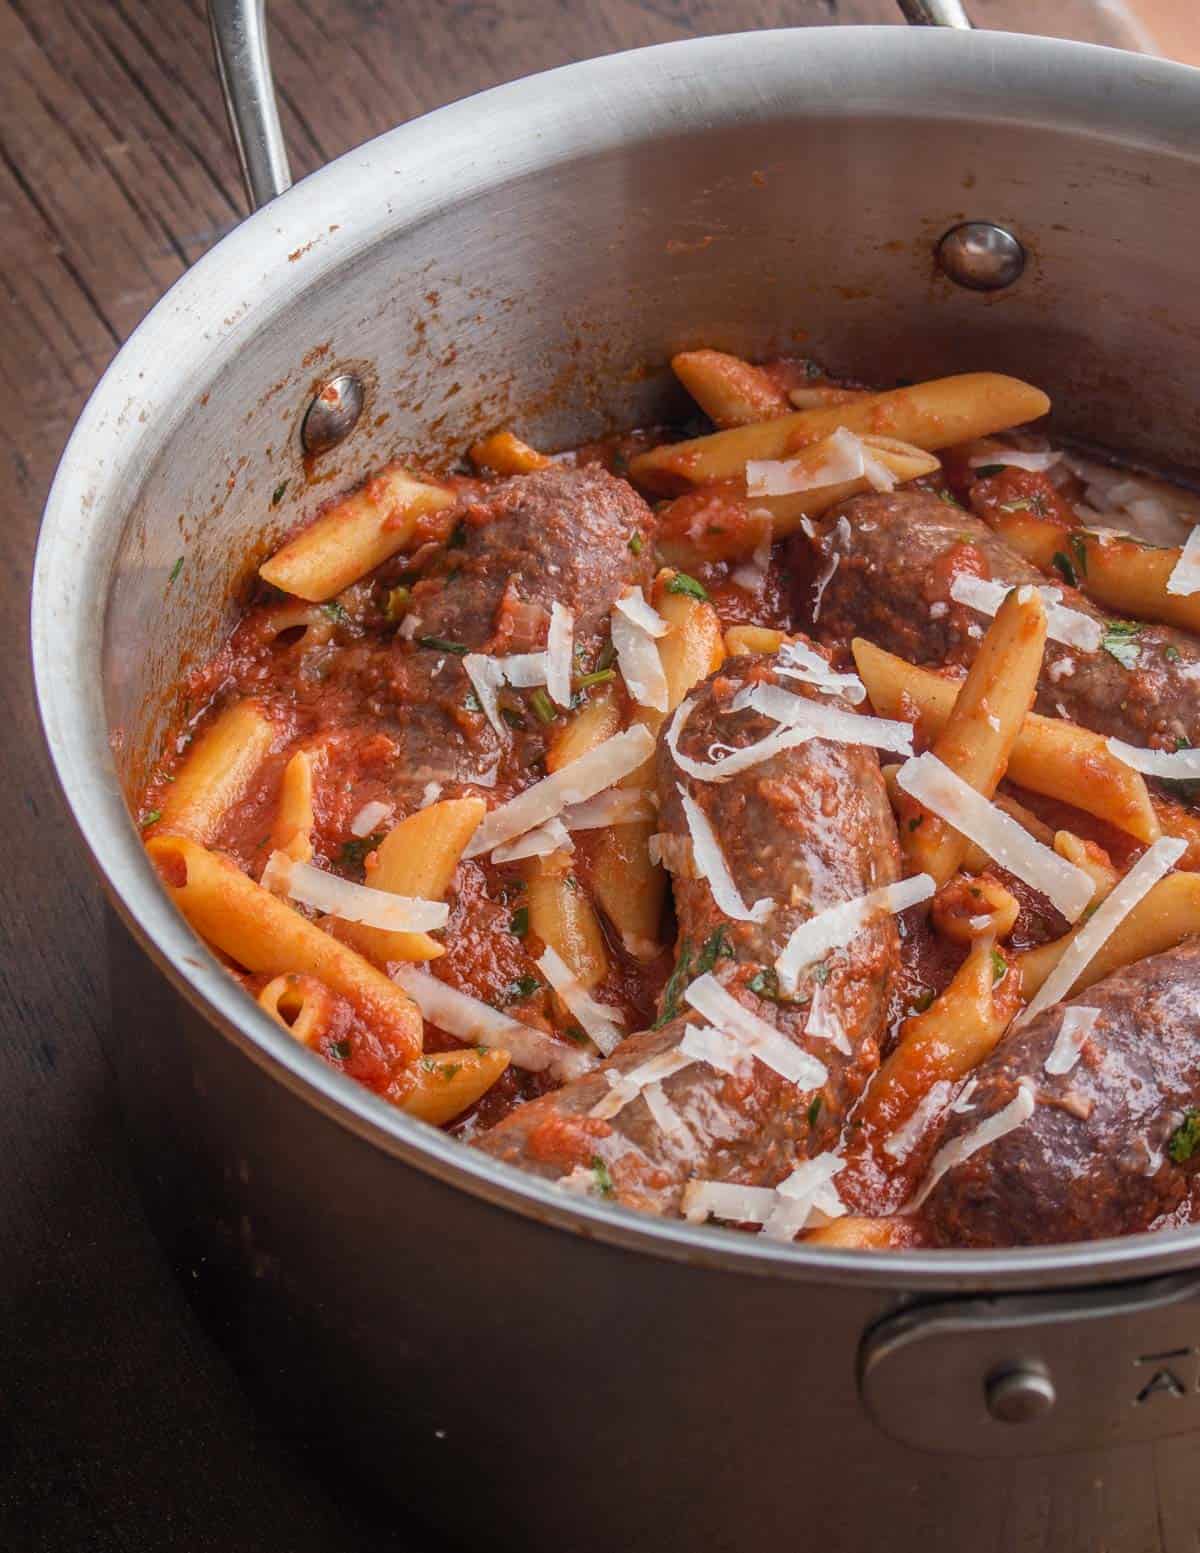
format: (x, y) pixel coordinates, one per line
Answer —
(1094, 1159)
(808, 828)
(561, 535)
(896, 557)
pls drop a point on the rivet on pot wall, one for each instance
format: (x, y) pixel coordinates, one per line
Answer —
(980, 256)
(333, 413)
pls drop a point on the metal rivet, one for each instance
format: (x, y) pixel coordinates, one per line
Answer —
(1020, 1393)
(333, 413)
(981, 256)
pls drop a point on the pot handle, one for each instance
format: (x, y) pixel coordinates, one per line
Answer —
(239, 37)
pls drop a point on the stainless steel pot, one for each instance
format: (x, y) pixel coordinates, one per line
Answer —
(513, 1365)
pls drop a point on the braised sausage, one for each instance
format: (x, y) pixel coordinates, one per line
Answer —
(1095, 1158)
(808, 828)
(883, 567)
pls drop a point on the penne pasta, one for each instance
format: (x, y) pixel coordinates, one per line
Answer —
(856, 1233)
(505, 454)
(216, 772)
(729, 390)
(356, 535)
(1124, 575)
(418, 857)
(448, 1083)
(756, 639)
(971, 907)
(1051, 756)
(1175, 820)
(263, 934)
(978, 736)
(932, 415)
(561, 915)
(303, 1006)
(292, 831)
(596, 720)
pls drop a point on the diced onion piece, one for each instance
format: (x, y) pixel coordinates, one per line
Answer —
(844, 460)
(625, 1087)
(1157, 860)
(795, 660)
(1017, 458)
(600, 768)
(1077, 1025)
(637, 655)
(1185, 574)
(901, 1143)
(824, 721)
(1173, 765)
(709, 863)
(523, 670)
(352, 902)
(471, 1020)
(806, 1194)
(834, 927)
(756, 1037)
(1062, 625)
(727, 1200)
(1013, 1115)
(486, 676)
(666, 1118)
(932, 783)
(632, 604)
(603, 1023)
(559, 646)
(729, 765)
(370, 817)
(704, 1044)
(618, 806)
(547, 838)
(823, 1023)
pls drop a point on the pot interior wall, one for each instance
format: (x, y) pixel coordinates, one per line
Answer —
(552, 302)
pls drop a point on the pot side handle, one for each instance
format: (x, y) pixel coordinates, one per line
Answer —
(239, 37)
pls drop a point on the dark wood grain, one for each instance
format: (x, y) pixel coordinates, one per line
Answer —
(120, 1426)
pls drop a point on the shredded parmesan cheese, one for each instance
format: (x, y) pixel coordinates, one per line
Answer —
(837, 925)
(601, 1021)
(807, 1195)
(753, 576)
(1077, 1025)
(1156, 861)
(1017, 459)
(727, 1200)
(798, 661)
(546, 839)
(943, 792)
(559, 644)
(1013, 1115)
(1064, 625)
(472, 1020)
(486, 676)
(961, 1103)
(352, 902)
(664, 1115)
(637, 652)
(901, 1143)
(823, 1023)
(618, 806)
(1173, 765)
(753, 1034)
(823, 721)
(632, 604)
(709, 863)
(720, 770)
(370, 817)
(624, 1087)
(600, 768)
(704, 1044)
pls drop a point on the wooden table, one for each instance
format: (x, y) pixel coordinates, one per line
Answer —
(121, 1426)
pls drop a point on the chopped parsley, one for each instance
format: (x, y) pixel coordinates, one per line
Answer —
(676, 982)
(336, 612)
(814, 1111)
(277, 494)
(1185, 1140)
(607, 656)
(521, 990)
(152, 818)
(354, 853)
(820, 972)
(985, 471)
(1035, 504)
(1119, 641)
(765, 984)
(1171, 653)
(176, 569)
(604, 1181)
(543, 708)
(1078, 544)
(682, 583)
(636, 542)
(446, 1069)
(599, 677)
(441, 644)
(576, 1034)
(917, 821)
(518, 924)
(999, 967)
(716, 947)
(339, 1049)
(512, 717)
(471, 702)
(1065, 569)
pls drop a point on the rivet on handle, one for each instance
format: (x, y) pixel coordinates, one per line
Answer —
(980, 256)
(1020, 1393)
(333, 413)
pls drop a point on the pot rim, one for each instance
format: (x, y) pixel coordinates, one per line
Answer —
(246, 279)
